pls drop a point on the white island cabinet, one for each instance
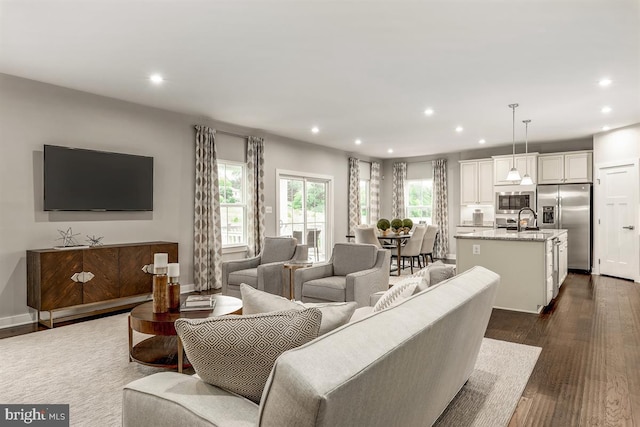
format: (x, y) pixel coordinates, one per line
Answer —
(529, 263)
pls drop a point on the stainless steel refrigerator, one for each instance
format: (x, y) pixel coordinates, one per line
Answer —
(569, 206)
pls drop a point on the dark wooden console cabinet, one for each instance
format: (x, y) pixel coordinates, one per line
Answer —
(117, 277)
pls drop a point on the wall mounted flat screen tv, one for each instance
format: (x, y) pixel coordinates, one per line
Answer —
(85, 180)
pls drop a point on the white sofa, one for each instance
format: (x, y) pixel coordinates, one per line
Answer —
(399, 366)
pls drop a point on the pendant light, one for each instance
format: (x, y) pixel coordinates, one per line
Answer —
(526, 179)
(513, 174)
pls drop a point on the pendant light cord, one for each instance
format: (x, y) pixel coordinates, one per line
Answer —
(526, 144)
(513, 136)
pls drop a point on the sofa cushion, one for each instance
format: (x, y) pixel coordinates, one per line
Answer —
(277, 249)
(334, 314)
(397, 293)
(361, 313)
(248, 276)
(332, 288)
(237, 353)
(351, 257)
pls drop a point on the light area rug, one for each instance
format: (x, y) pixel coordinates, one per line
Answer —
(86, 365)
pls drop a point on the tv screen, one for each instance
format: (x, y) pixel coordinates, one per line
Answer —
(85, 180)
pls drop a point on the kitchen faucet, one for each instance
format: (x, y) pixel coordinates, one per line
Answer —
(535, 216)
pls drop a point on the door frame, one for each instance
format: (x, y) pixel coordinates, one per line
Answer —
(598, 198)
(329, 218)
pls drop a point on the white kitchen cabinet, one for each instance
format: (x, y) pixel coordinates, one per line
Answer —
(563, 269)
(476, 182)
(564, 168)
(525, 163)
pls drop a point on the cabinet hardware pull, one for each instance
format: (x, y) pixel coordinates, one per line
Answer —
(82, 277)
(629, 227)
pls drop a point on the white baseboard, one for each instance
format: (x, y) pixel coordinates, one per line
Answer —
(31, 317)
(17, 320)
(185, 289)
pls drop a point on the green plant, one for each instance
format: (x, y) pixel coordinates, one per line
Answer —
(407, 223)
(396, 223)
(383, 224)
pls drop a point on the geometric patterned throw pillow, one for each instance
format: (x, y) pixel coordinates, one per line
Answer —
(397, 293)
(237, 353)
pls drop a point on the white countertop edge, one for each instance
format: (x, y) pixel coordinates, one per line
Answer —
(503, 234)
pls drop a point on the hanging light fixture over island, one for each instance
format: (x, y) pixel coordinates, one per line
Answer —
(526, 179)
(513, 174)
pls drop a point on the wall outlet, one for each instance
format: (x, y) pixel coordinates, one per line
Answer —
(268, 209)
(476, 249)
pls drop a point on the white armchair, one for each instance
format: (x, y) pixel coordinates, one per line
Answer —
(263, 272)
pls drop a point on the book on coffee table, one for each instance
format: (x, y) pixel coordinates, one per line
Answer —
(193, 300)
(210, 304)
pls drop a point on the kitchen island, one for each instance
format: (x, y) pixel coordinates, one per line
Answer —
(532, 264)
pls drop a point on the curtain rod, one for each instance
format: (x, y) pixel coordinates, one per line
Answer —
(231, 133)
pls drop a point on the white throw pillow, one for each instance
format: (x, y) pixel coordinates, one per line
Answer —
(334, 314)
(237, 353)
(397, 293)
(426, 274)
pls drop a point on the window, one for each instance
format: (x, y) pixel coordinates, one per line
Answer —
(233, 203)
(364, 201)
(418, 199)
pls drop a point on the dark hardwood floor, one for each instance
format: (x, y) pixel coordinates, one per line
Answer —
(588, 373)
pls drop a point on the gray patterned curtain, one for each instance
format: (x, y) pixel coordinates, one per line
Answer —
(440, 208)
(374, 193)
(354, 194)
(399, 177)
(207, 231)
(255, 195)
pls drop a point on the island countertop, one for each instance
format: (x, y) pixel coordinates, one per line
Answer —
(503, 234)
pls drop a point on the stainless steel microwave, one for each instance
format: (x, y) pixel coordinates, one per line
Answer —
(510, 202)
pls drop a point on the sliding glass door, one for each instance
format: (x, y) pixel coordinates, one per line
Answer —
(304, 211)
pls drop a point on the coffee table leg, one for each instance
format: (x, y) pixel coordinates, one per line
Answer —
(130, 338)
(180, 355)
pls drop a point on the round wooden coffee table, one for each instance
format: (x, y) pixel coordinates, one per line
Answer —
(165, 348)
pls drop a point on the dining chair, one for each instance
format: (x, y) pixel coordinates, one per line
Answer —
(367, 235)
(428, 242)
(313, 235)
(413, 246)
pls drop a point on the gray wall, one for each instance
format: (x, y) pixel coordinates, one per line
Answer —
(33, 114)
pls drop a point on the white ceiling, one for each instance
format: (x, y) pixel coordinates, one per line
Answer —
(356, 69)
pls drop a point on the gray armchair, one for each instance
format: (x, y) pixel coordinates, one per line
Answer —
(354, 272)
(263, 272)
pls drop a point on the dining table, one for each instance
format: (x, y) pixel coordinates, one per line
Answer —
(395, 238)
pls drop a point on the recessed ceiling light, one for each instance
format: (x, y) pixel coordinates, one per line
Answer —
(390, 150)
(605, 128)
(606, 109)
(428, 112)
(604, 82)
(459, 129)
(315, 129)
(358, 141)
(156, 78)
(482, 141)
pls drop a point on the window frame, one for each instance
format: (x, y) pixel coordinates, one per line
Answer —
(408, 207)
(243, 205)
